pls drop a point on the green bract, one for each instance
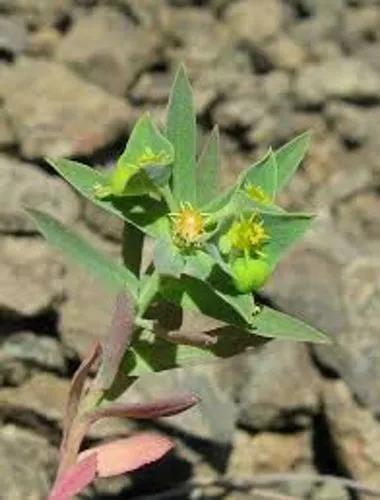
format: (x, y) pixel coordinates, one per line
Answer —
(212, 249)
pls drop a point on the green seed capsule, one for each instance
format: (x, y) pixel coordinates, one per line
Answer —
(250, 274)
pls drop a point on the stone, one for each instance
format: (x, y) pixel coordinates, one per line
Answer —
(53, 112)
(340, 78)
(254, 22)
(355, 433)
(27, 464)
(281, 388)
(240, 112)
(36, 13)
(103, 223)
(44, 42)
(360, 26)
(350, 122)
(329, 491)
(268, 452)
(25, 185)
(35, 350)
(43, 395)
(85, 316)
(108, 50)
(284, 53)
(199, 39)
(31, 276)
(7, 137)
(359, 216)
(151, 87)
(214, 418)
(308, 284)
(13, 37)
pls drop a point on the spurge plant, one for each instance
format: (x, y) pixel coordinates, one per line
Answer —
(213, 251)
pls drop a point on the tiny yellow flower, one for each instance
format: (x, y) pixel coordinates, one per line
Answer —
(257, 193)
(188, 225)
(246, 235)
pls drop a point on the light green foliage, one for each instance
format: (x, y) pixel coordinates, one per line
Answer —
(211, 249)
(250, 274)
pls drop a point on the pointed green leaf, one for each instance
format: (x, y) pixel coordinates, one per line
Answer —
(146, 147)
(167, 259)
(289, 158)
(147, 214)
(152, 354)
(262, 175)
(181, 132)
(74, 247)
(218, 300)
(208, 170)
(283, 230)
(274, 324)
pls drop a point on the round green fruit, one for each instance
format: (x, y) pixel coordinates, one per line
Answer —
(250, 274)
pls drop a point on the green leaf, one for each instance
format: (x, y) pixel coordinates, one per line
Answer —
(146, 148)
(283, 230)
(74, 247)
(132, 248)
(207, 173)
(274, 324)
(167, 258)
(216, 297)
(289, 158)
(147, 214)
(181, 132)
(152, 354)
(262, 174)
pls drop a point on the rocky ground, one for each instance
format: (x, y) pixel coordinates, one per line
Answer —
(74, 75)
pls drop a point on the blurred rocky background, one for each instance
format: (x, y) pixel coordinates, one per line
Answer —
(74, 75)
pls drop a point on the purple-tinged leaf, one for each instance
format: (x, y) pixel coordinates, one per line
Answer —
(75, 479)
(76, 388)
(128, 454)
(162, 408)
(118, 340)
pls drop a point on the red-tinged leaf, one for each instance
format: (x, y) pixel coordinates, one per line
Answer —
(119, 338)
(129, 454)
(154, 409)
(75, 479)
(76, 388)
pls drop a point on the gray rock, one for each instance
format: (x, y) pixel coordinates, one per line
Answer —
(24, 185)
(268, 452)
(86, 314)
(31, 279)
(192, 31)
(43, 395)
(27, 464)
(330, 491)
(350, 122)
(41, 351)
(342, 78)
(240, 112)
(361, 25)
(7, 137)
(355, 433)
(103, 223)
(214, 418)
(254, 22)
(281, 389)
(13, 37)
(284, 53)
(359, 216)
(38, 12)
(108, 50)
(53, 112)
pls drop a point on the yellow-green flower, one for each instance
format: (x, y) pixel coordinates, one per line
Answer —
(246, 235)
(188, 225)
(257, 193)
